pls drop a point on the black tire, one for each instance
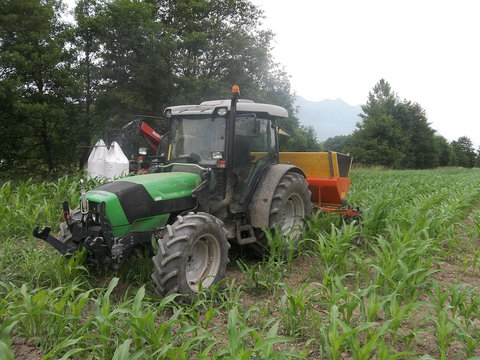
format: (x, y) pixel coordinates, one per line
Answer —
(193, 250)
(290, 205)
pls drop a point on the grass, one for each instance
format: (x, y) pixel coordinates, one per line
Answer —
(362, 291)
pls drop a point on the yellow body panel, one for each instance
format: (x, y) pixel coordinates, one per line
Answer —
(314, 164)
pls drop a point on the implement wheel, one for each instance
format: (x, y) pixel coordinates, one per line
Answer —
(290, 205)
(192, 254)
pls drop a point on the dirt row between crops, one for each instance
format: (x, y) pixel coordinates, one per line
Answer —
(450, 271)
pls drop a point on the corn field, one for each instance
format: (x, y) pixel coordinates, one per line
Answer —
(401, 283)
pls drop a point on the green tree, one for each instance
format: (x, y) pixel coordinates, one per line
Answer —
(477, 158)
(463, 152)
(421, 151)
(88, 71)
(302, 138)
(393, 133)
(35, 83)
(338, 143)
(444, 151)
(218, 43)
(379, 139)
(136, 75)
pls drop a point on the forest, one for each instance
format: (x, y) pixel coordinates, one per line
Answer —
(64, 83)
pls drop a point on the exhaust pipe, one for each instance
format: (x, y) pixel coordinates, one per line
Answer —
(230, 152)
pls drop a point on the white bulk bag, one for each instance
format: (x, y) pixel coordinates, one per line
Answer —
(116, 163)
(96, 161)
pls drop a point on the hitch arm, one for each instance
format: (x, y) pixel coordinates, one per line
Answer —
(44, 235)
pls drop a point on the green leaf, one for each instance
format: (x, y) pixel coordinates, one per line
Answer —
(123, 351)
(137, 303)
(5, 352)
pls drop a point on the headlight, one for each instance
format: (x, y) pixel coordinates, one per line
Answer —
(217, 155)
(222, 111)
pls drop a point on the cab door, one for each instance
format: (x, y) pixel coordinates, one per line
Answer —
(254, 149)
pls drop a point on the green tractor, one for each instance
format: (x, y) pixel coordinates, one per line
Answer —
(219, 182)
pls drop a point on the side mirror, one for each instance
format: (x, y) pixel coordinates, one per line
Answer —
(283, 132)
(168, 118)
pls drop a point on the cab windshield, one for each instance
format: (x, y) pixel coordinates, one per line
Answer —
(199, 139)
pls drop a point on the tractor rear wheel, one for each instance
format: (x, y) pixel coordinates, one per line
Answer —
(290, 205)
(193, 254)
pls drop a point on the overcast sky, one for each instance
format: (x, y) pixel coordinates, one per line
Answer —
(429, 52)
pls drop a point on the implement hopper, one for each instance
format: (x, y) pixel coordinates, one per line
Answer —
(327, 177)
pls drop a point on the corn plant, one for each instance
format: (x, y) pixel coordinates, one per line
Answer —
(6, 327)
(295, 309)
(263, 277)
(444, 332)
(341, 335)
(267, 275)
(245, 342)
(27, 204)
(403, 262)
(333, 248)
(226, 294)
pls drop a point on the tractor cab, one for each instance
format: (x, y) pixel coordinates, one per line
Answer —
(236, 140)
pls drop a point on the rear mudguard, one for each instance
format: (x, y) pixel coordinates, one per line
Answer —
(262, 197)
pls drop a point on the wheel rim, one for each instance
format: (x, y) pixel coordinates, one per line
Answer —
(293, 214)
(203, 262)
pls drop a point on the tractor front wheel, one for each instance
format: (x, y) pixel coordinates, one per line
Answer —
(193, 254)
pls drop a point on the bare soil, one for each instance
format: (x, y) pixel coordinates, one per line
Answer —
(25, 349)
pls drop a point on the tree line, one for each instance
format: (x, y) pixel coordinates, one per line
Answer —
(64, 83)
(395, 133)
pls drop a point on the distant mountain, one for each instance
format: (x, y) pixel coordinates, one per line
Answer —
(328, 117)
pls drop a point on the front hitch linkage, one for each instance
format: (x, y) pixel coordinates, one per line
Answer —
(44, 235)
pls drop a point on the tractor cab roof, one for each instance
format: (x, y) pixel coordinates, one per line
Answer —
(243, 105)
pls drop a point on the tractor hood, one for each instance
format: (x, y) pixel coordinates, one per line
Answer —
(144, 196)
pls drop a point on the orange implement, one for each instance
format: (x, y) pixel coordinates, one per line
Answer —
(328, 191)
(327, 178)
